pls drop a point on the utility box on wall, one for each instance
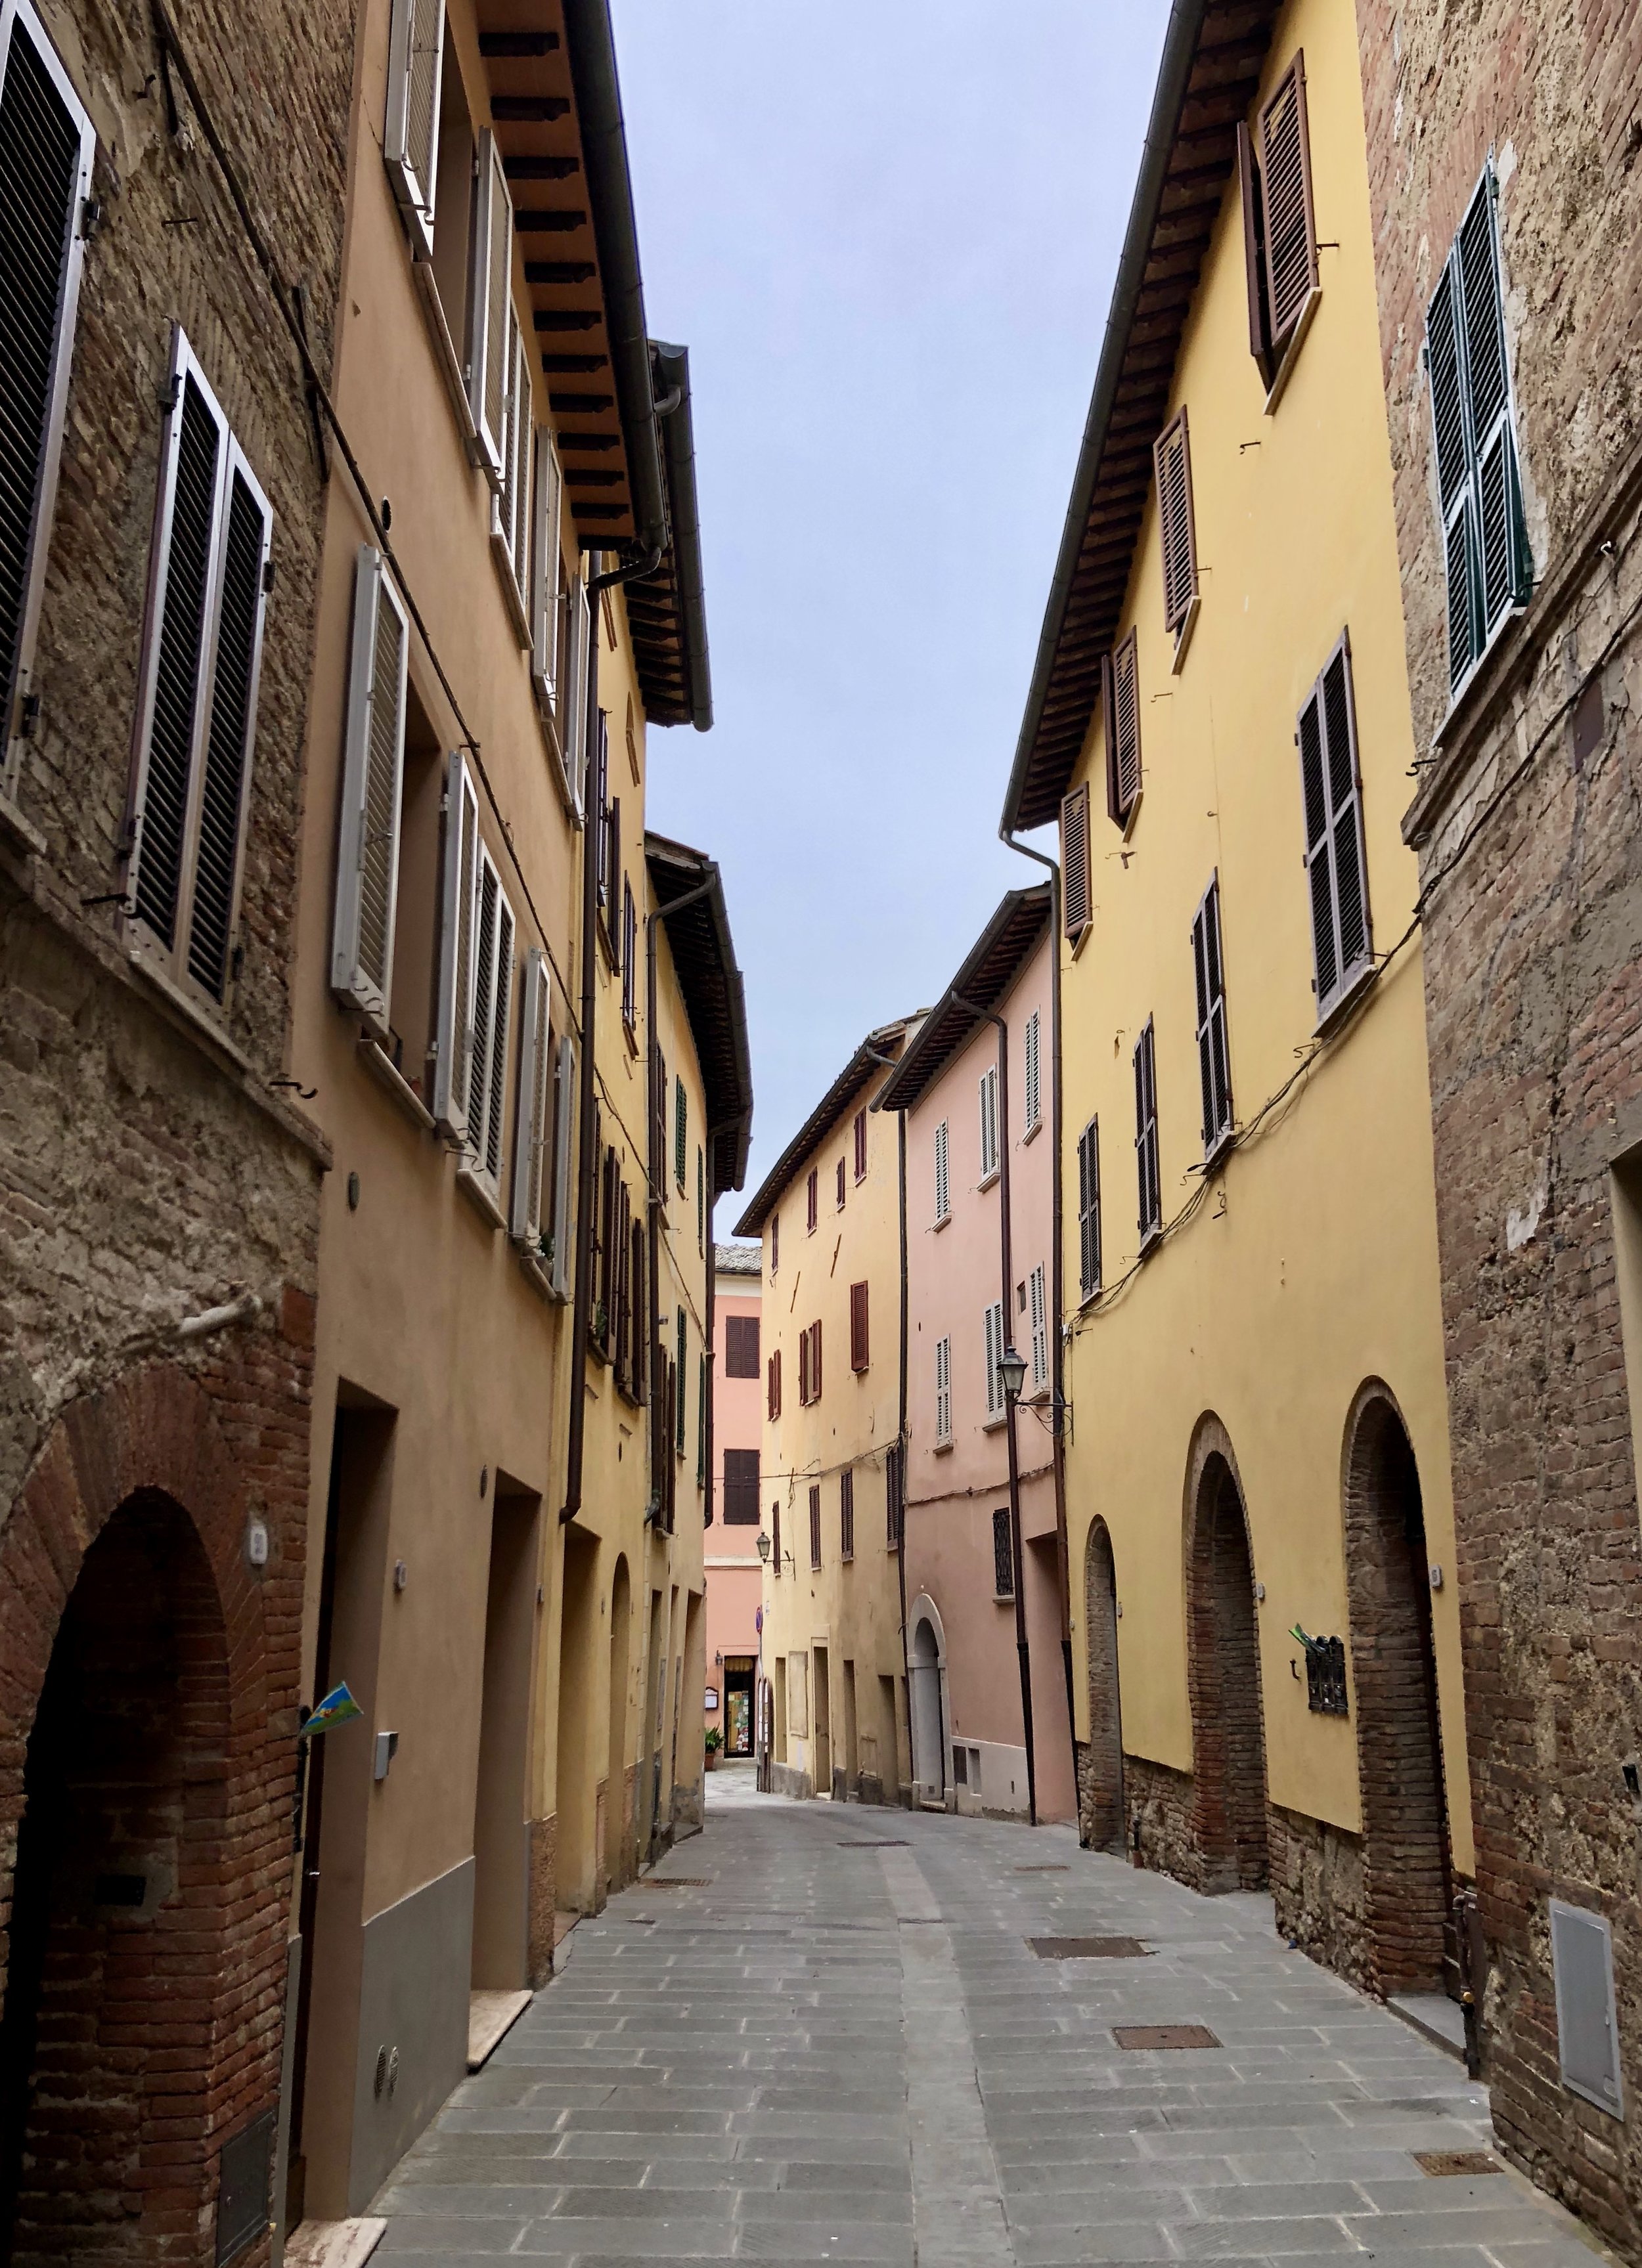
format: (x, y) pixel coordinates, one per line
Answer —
(1587, 2029)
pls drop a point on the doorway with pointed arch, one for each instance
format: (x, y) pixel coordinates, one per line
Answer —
(1103, 1806)
(1229, 1801)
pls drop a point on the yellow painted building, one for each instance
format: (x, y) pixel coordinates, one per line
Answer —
(1258, 1476)
(830, 1215)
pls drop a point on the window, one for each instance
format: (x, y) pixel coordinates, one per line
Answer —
(1212, 1059)
(773, 1369)
(1150, 1221)
(943, 1172)
(840, 1177)
(846, 1514)
(1279, 232)
(1003, 1556)
(47, 146)
(775, 1539)
(410, 135)
(810, 1364)
(943, 1389)
(893, 1497)
(741, 1346)
(815, 1555)
(740, 1488)
(475, 988)
(1076, 907)
(532, 1104)
(367, 852)
(573, 643)
(989, 1124)
(202, 649)
(1119, 681)
(1171, 460)
(491, 311)
(546, 570)
(993, 1340)
(678, 1414)
(1490, 566)
(1038, 1290)
(1035, 1078)
(607, 837)
(629, 949)
(775, 1244)
(509, 508)
(812, 1199)
(858, 1327)
(1336, 866)
(1089, 1209)
(681, 1131)
(860, 1145)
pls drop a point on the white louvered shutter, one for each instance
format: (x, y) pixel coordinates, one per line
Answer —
(510, 510)
(989, 1123)
(943, 1389)
(492, 299)
(546, 573)
(452, 1078)
(1035, 1074)
(1040, 1307)
(410, 135)
(492, 990)
(992, 1335)
(943, 1172)
(532, 1104)
(564, 1151)
(46, 145)
(367, 847)
(573, 658)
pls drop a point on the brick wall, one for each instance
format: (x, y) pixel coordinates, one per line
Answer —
(1228, 1744)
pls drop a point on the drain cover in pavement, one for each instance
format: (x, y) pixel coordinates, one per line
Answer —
(1458, 2161)
(889, 1844)
(1164, 2036)
(1088, 1948)
(1056, 1869)
(674, 1881)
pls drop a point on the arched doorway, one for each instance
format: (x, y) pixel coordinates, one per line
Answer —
(928, 1742)
(117, 1922)
(1394, 1671)
(1103, 1806)
(1227, 1722)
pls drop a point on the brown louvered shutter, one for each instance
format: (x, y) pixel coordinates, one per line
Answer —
(1121, 680)
(858, 1327)
(1291, 240)
(774, 1385)
(1074, 861)
(815, 1361)
(846, 1512)
(1253, 253)
(815, 1539)
(804, 1367)
(1171, 458)
(812, 1196)
(775, 1539)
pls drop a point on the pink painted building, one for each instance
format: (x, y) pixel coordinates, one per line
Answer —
(976, 1124)
(731, 1550)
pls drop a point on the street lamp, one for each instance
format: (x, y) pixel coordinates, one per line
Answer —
(1012, 1368)
(764, 1547)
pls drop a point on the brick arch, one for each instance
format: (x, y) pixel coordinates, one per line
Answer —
(1394, 1676)
(1103, 1794)
(139, 1489)
(1229, 1830)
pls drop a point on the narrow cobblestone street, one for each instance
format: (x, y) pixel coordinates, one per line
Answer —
(822, 2034)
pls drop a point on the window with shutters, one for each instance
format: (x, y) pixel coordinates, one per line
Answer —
(1120, 700)
(943, 1391)
(452, 1044)
(989, 1124)
(573, 646)
(894, 1496)
(1038, 1301)
(774, 1246)
(547, 581)
(1077, 909)
(1279, 229)
(1150, 1184)
(810, 1362)
(630, 956)
(623, 1290)
(1089, 1209)
(1337, 867)
(1003, 1556)
(511, 506)
(559, 1240)
(993, 1343)
(773, 1386)
(411, 133)
(682, 1343)
(1213, 1058)
(367, 851)
(1034, 1052)
(846, 1514)
(1488, 564)
(859, 1346)
(196, 715)
(815, 1534)
(860, 1145)
(1171, 461)
(740, 1488)
(839, 1179)
(812, 1199)
(492, 929)
(533, 1109)
(681, 1131)
(943, 1174)
(774, 1541)
(490, 311)
(47, 146)
(741, 1346)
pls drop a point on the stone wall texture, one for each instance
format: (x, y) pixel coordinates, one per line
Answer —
(1526, 824)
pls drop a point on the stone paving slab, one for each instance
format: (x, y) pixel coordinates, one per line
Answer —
(846, 2054)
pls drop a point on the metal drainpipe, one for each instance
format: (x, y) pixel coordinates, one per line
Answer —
(587, 1165)
(1057, 1293)
(1006, 1262)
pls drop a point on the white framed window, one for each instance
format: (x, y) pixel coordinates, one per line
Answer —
(492, 999)
(1037, 1290)
(373, 767)
(988, 1123)
(510, 507)
(410, 132)
(1337, 861)
(452, 1042)
(1034, 1079)
(547, 577)
(196, 703)
(943, 1389)
(490, 311)
(943, 1172)
(993, 1343)
(533, 1107)
(47, 146)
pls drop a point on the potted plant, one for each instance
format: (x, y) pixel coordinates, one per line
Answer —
(715, 1741)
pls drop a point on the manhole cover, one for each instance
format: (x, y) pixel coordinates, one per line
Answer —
(889, 1844)
(1057, 1869)
(1458, 2161)
(1088, 1948)
(1164, 2036)
(674, 1881)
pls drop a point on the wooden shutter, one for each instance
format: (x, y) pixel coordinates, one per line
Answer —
(943, 1172)
(858, 1341)
(804, 1367)
(410, 137)
(453, 1077)
(630, 944)
(1003, 1556)
(492, 300)
(1089, 1208)
(839, 1180)
(943, 1389)
(815, 1527)
(1151, 1198)
(1254, 253)
(373, 760)
(1033, 1050)
(229, 726)
(774, 1540)
(815, 1361)
(774, 1244)
(1075, 906)
(564, 1150)
(547, 559)
(1291, 242)
(509, 508)
(1040, 1311)
(893, 1487)
(680, 1129)
(683, 1336)
(1335, 863)
(1122, 684)
(534, 1102)
(860, 1145)
(773, 1385)
(846, 1514)
(1213, 1063)
(1171, 458)
(812, 1195)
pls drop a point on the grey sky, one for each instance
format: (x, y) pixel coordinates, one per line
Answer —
(887, 234)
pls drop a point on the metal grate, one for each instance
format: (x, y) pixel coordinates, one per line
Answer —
(1164, 2036)
(889, 1844)
(1457, 2161)
(1057, 1868)
(245, 2175)
(1088, 1948)
(674, 1881)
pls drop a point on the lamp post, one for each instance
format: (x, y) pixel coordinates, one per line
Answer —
(1011, 1371)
